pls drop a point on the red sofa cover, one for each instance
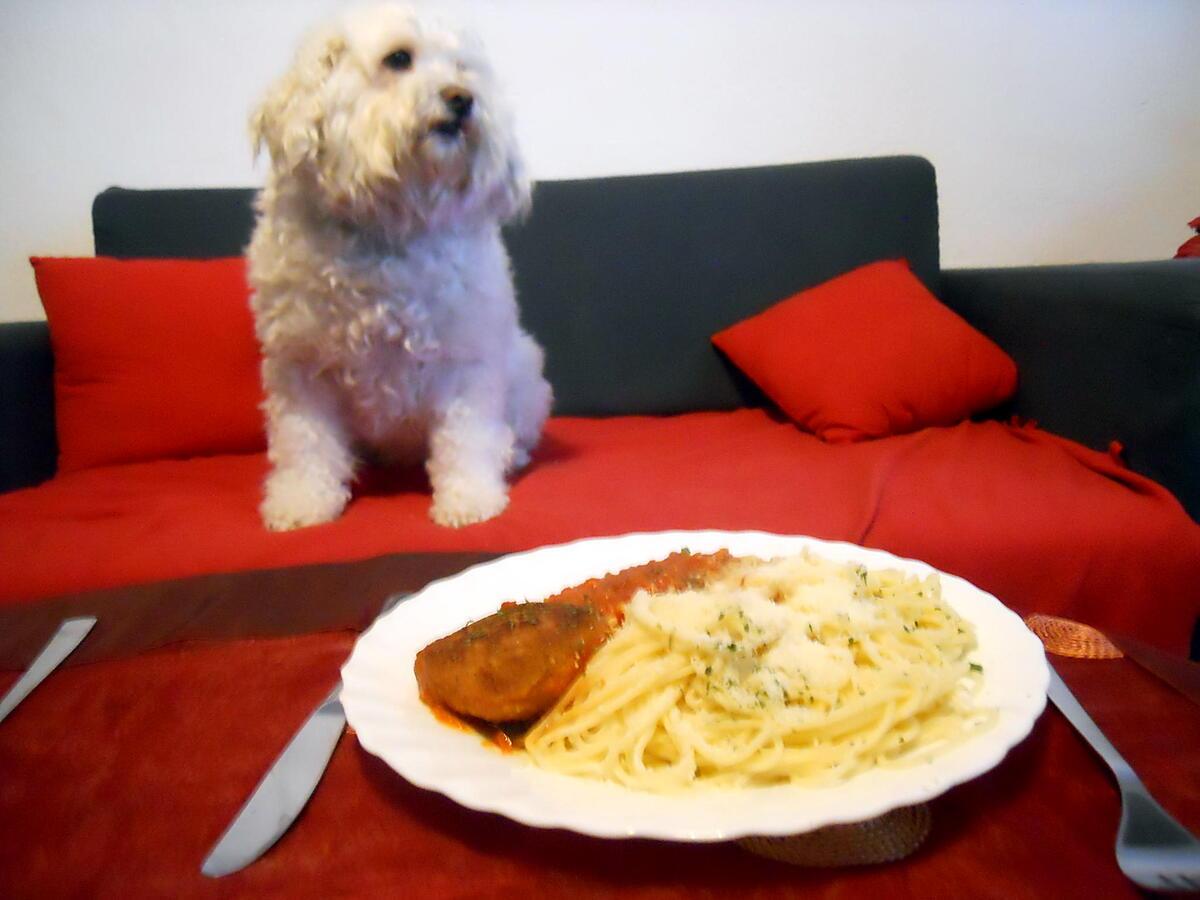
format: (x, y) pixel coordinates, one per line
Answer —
(1017, 511)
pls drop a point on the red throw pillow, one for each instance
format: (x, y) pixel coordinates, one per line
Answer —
(868, 354)
(152, 358)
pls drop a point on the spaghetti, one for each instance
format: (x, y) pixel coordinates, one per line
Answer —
(794, 670)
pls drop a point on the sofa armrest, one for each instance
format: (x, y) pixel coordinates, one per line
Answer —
(1105, 352)
(28, 447)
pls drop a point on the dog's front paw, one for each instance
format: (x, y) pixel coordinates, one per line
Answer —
(296, 500)
(454, 508)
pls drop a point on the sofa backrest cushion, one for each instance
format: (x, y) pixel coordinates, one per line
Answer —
(624, 280)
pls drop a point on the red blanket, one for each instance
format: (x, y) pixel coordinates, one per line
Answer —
(130, 769)
(1030, 517)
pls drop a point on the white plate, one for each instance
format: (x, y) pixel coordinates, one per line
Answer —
(381, 702)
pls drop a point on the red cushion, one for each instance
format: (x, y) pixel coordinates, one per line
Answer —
(1025, 515)
(152, 358)
(868, 354)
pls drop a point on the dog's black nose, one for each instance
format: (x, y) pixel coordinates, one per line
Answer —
(459, 102)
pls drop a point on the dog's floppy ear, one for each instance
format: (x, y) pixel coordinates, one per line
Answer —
(509, 190)
(290, 119)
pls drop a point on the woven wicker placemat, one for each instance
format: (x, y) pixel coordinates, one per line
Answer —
(1066, 637)
(886, 838)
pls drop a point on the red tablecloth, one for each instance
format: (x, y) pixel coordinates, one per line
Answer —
(118, 774)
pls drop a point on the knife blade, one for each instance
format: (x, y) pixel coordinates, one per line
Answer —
(282, 792)
(70, 634)
(286, 787)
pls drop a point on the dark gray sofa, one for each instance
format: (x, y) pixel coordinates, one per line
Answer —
(623, 280)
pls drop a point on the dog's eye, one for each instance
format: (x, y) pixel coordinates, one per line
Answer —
(399, 60)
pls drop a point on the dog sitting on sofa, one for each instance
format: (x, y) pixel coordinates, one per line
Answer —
(383, 297)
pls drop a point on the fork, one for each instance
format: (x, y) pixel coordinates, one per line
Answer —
(1153, 850)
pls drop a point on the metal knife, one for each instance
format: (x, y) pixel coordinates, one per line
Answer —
(284, 790)
(69, 636)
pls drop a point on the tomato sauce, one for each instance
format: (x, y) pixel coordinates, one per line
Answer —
(504, 739)
(679, 571)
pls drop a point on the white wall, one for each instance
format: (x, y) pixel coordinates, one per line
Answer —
(1062, 130)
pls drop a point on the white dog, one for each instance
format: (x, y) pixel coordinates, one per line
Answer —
(383, 298)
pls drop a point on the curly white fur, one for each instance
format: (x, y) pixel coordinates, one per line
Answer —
(383, 297)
